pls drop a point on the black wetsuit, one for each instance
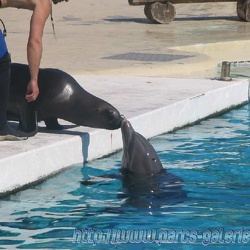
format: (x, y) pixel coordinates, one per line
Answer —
(4, 79)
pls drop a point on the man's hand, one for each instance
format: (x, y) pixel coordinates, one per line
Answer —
(32, 91)
(58, 1)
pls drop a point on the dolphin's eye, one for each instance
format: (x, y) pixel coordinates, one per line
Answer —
(153, 159)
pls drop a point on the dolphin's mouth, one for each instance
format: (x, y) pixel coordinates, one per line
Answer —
(123, 120)
(127, 132)
(125, 125)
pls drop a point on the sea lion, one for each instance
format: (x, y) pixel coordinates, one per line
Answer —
(60, 97)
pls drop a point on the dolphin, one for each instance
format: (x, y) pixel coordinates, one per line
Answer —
(145, 182)
(139, 156)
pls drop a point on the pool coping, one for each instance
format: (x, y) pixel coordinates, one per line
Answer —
(96, 143)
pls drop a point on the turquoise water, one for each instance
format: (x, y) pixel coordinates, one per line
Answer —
(238, 69)
(212, 158)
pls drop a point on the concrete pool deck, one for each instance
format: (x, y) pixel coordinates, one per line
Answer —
(162, 89)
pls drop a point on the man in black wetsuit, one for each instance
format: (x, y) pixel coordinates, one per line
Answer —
(41, 10)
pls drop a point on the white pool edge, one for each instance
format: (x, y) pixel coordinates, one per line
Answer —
(98, 143)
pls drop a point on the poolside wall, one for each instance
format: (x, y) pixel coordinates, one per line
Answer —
(35, 165)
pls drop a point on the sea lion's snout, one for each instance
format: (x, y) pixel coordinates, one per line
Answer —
(110, 116)
(115, 117)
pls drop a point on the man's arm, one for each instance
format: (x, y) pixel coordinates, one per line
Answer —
(40, 14)
(41, 10)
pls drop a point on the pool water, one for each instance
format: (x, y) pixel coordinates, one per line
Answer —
(240, 69)
(212, 158)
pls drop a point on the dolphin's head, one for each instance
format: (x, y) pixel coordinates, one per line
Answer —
(139, 156)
